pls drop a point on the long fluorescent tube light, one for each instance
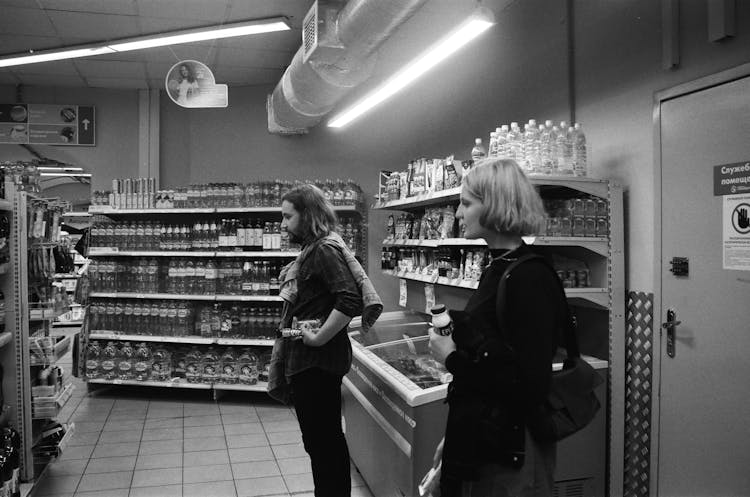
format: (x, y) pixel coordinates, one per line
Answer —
(141, 42)
(66, 175)
(61, 169)
(476, 24)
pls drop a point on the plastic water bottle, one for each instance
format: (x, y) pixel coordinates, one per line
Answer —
(502, 141)
(441, 320)
(493, 144)
(478, 152)
(531, 147)
(564, 150)
(579, 151)
(515, 143)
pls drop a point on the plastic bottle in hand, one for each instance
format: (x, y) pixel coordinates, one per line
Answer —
(441, 320)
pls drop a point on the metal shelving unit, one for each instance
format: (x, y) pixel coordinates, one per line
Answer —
(603, 304)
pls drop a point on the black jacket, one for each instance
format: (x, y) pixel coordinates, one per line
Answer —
(500, 375)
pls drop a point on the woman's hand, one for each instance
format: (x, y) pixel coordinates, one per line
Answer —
(441, 346)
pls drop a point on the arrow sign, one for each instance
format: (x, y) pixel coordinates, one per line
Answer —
(86, 123)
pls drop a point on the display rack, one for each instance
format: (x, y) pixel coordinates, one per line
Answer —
(184, 216)
(599, 307)
(18, 364)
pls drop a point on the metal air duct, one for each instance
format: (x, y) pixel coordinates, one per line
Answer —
(337, 54)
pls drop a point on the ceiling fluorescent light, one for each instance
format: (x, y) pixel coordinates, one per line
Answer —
(50, 55)
(202, 34)
(66, 175)
(61, 169)
(141, 42)
(481, 20)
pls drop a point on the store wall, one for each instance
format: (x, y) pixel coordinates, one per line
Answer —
(116, 152)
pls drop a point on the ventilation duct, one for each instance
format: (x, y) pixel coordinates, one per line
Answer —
(337, 54)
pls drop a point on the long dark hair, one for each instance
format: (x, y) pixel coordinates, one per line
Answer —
(317, 217)
(190, 77)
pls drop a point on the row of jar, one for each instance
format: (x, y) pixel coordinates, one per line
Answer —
(185, 276)
(184, 319)
(467, 265)
(160, 362)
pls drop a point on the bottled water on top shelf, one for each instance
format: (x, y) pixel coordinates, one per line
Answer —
(579, 151)
(478, 152)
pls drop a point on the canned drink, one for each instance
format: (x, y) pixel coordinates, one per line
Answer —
(590, 226)
(582, 278)
(291, 333)
(579, 226)
(561, 274)
(602, 227)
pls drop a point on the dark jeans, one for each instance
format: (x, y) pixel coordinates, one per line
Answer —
(316, 395)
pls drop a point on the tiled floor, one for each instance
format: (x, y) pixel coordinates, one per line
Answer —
(143, 442)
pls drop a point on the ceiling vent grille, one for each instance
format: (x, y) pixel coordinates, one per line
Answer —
(310, 32)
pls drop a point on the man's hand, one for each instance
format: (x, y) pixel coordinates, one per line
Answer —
(441, 346)
(311, 338)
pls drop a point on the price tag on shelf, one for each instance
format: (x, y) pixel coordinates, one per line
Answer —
(402, 292)
(429, 297)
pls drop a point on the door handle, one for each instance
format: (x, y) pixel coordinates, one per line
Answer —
(671, 326)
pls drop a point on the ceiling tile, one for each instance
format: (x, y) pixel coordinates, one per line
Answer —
(49, 69)
(17, 3)
(125, 83)
(158, 70)
(25, 22)
(160, 54)
(38, 80)
(154, 25)
(122, 7)
(11, 44)
(213, 10)
(295, 10)
(93, 27)
(254, 58)
(93, 68)
(8, 78)
(280, 40)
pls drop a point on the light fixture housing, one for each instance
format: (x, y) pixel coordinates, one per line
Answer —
(477, 23)
(66, 175)
(244, 28)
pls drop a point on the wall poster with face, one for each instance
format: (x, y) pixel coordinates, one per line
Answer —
(191, 84)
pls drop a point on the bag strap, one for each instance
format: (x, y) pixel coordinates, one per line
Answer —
(569, 335)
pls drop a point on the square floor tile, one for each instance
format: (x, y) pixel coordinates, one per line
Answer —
(243, 429)
(248, 454)
(161, 491)
(239, 441)
(123, 425)
(156, 477)
(126, 416)
(159, 461)
(209, 420)
(209, 443)
(116, 492)
(90, 415)
(200, 410)
(56, 486)
(214, 472)
(275, 426)
(285, 437)
(156, 424)
(164, 413)
(120, 436)
(210, 489)
(73, 467)
(287, 451)
(111, 464)
(160, 447)
(233, 419)
(203, 431)
(162, 434)
(83, 438)
(193, 459)
(252, 487)
(115, 449)
(295, 466)
(105, 481)
(255, 469)
(300, 483)
(281, 415)
(82, 452)
(89, 426)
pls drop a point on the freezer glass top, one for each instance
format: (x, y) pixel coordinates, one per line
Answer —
(412, 359)
(391, 326)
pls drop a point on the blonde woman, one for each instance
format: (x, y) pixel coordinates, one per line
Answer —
(501, 372)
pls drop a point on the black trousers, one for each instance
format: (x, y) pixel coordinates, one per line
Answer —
(316, 395)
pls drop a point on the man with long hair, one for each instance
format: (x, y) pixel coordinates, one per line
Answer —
(316, 363)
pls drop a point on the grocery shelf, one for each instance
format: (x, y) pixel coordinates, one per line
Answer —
(261, 386)
(62, 324)
(247, 342)
(6, 205)
(412, 243)
(167, 384)
(173, 296)
(5, 338)
(76, 214)
(421, 200)
(48, 407)
(109, 211)
(46, 314)
(115, 252)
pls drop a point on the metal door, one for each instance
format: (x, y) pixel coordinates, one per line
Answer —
(704, 390)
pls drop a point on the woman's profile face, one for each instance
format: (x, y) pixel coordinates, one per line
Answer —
(468, 213)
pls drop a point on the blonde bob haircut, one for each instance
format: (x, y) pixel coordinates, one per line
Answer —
(510, 203)
(317, 217)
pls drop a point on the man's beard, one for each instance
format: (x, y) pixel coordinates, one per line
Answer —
(294, 238)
